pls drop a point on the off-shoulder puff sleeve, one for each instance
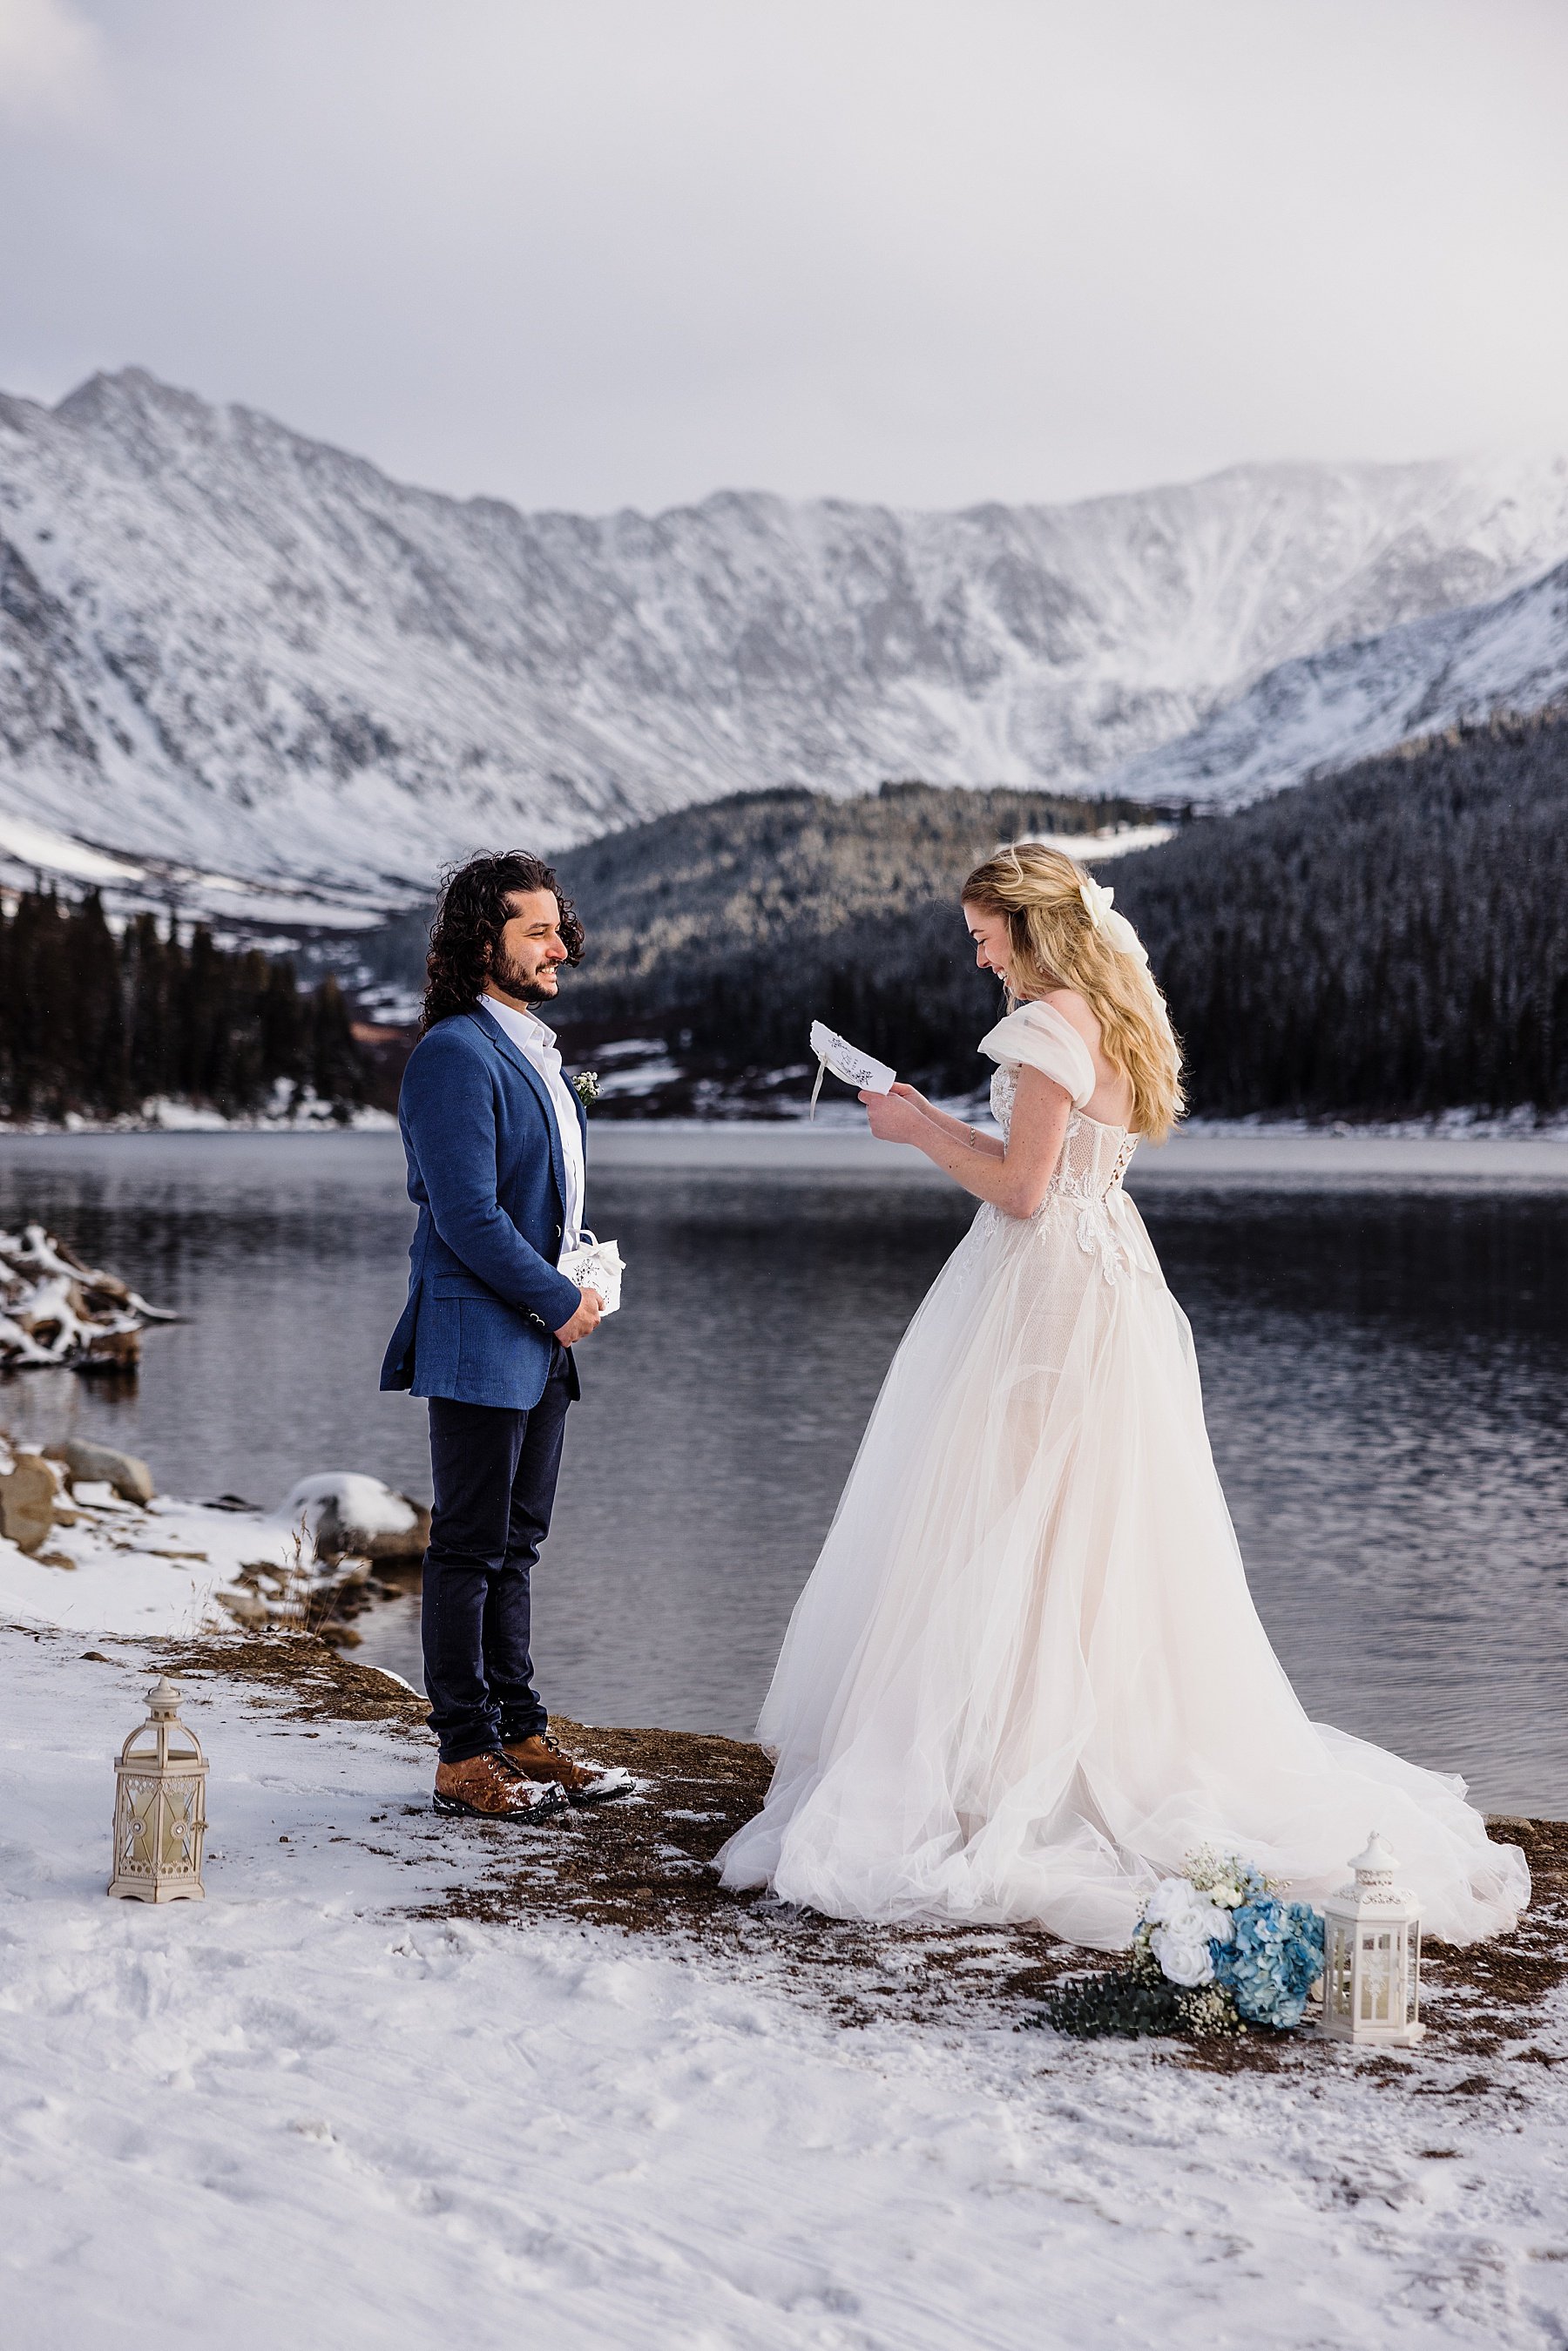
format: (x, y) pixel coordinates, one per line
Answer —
(1036, 1038)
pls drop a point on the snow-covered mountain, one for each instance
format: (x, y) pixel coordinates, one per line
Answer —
(1327, 710)
(229, 649)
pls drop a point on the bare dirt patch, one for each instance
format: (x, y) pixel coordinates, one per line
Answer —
(645, 1866)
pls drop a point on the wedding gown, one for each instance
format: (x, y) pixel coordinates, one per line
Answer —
(1026, 1677)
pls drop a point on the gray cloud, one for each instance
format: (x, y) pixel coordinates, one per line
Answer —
(901, 249)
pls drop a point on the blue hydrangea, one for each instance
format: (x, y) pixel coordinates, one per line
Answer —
(1273, 1959)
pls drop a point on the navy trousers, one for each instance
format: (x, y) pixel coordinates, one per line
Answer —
(494, 1473)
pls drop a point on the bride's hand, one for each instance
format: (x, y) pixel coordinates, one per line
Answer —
(910, 1094)
(893, 1117)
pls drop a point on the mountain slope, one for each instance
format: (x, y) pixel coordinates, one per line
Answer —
(1359, 700)
(225, 647)
(1394, 938)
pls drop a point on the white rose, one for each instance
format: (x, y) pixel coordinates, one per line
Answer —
(1172, 1902)
(1176, 1903)
(1184, 1958)
(1182, 1923)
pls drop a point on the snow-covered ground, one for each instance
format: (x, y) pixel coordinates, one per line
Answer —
(124, 1569)
(172, 1114)
(315, 2110)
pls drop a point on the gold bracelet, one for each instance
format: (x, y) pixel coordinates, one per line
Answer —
(974, 1138)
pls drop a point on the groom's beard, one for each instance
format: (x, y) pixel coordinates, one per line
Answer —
(534, 987)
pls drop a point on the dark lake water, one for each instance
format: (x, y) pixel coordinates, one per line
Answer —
(1384, 1357)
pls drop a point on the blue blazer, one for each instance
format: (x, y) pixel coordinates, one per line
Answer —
(484, 1168)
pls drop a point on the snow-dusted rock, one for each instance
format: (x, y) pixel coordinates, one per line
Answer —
(346, 1514)
(126, 1473)
(225, 646)
(245, 1606)
(27, 1491)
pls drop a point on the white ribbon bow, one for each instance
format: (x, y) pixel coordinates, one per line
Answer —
(1099, 900)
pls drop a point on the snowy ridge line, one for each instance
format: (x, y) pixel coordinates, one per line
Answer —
(255, 658)
(1479, 1124)
(1399, 691)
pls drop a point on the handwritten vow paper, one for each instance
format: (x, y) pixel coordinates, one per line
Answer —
(861, 1070)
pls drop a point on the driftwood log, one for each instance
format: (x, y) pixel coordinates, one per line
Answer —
(56, 1310)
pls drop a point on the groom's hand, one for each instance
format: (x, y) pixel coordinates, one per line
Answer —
(590, 1307)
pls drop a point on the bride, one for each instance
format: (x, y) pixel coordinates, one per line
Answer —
(1026, 1677)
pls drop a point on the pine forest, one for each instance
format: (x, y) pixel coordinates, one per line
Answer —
(97, 1024)
(1392, 941)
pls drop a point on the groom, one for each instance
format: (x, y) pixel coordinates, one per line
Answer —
(494, 1137)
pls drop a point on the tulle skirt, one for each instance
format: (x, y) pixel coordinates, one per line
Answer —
(1026, 1677)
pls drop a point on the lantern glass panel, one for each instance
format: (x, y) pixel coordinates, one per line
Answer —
(179, 1824)
(142, 1805)
(1377, 1988)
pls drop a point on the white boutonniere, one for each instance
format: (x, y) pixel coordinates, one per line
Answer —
(585, 1086)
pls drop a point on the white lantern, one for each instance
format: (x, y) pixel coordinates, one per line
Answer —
(159, 1806)
(1372, 1955)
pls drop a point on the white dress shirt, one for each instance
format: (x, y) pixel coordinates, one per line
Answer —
(532, 1038)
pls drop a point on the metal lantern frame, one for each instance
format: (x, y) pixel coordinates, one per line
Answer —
(159, 1806)
(1372, 1957)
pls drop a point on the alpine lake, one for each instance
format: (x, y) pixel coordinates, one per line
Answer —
(1382, 1327)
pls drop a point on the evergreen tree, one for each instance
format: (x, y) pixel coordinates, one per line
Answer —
(92, 1023)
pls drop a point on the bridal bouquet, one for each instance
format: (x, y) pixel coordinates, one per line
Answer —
(1215, 1949)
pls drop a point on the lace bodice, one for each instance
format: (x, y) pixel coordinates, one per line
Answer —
(1094, 1158)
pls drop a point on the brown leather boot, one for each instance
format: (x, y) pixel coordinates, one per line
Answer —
(543, 1762)
(488, 1788)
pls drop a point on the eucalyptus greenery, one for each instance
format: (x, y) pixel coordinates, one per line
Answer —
(1136, 2000)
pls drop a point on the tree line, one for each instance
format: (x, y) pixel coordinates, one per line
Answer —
(1389, 941)
(97, 1023)
(725, 929)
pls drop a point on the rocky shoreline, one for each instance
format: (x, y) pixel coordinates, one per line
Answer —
(89, 1511)
(131, 1574)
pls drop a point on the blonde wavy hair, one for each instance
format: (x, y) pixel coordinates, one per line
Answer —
(1056, 943)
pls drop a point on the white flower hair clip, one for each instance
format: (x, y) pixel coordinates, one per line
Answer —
(1098, 903)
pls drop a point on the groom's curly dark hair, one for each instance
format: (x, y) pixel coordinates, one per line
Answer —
(470, 914)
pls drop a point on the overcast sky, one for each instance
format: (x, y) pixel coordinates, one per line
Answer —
(587, 254)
